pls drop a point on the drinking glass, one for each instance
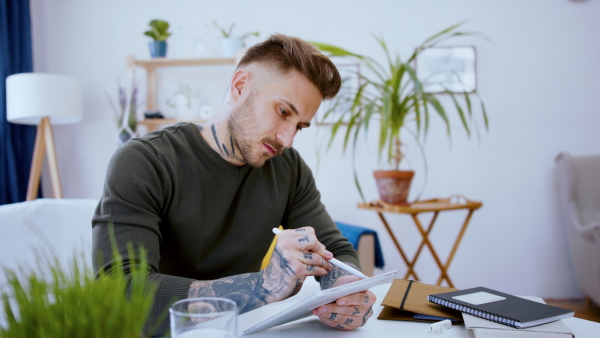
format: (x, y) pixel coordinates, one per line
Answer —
(204, 317)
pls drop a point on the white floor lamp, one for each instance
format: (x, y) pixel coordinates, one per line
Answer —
(43, 99)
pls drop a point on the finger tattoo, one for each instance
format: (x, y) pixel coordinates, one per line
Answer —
(339, 327)
(310, 267)
(304, 239)
(308, 255)
(366, 316)
(356, 311)
(366, 299)
(332, 316)
(348, 321)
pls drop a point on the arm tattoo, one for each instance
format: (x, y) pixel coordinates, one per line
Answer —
(245, 289)
(232, 146)
(329, 280)
(250, 290)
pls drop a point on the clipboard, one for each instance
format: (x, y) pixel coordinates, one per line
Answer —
(304, 307)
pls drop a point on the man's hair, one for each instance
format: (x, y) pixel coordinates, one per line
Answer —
(286, 53)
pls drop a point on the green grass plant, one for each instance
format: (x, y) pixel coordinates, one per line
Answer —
(75, 303)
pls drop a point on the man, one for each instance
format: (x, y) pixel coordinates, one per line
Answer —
(202, 200)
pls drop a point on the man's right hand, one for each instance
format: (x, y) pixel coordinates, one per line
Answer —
(298, 254)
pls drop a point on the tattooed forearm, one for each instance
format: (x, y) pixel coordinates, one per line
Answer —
(329, 280)
(245, 289)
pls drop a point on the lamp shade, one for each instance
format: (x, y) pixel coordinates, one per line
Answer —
(32, 96)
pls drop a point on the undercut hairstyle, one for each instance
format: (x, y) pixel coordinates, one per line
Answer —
(286, 53)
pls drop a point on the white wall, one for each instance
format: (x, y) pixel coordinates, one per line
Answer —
(539, 78)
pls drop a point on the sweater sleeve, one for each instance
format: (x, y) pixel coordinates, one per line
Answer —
(130, 206)
(306, 209)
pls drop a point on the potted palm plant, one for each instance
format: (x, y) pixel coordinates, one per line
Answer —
(393, 94)
(159, 33)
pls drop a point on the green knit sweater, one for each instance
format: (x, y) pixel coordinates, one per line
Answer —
(200, 217)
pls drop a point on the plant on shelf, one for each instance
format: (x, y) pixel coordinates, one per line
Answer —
(73, 303)
(159, 32)
(393, 94)
(231, 44)
(182, 102)
(125, 111)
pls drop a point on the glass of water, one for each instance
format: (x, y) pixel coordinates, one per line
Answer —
(204, 317)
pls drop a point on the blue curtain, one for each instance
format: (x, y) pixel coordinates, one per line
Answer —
(16, 141)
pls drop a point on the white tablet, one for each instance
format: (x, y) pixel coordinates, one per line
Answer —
(304, 307)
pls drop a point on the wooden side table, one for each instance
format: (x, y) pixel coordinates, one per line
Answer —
(437, 205)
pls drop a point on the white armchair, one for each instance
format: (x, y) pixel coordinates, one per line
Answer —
(579, 197)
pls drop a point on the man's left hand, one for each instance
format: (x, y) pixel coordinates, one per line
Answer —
(349, 312)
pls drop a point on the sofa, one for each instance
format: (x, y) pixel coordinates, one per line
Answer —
(43, 229)
(578, 179)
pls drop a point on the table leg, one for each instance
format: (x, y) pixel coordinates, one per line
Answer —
(408, 263)
(456, 244)
(416, 257)
(444, 275)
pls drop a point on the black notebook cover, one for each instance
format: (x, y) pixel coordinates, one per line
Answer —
(500, 307)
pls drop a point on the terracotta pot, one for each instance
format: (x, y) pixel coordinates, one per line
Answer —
(393, 185)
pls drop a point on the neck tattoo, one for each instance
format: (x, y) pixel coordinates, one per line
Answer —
(214, 132)
(222, 147)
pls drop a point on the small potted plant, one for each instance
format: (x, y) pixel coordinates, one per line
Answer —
(159, 33)
(392, 95)
(230, 44)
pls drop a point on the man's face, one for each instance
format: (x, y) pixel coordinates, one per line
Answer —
(268, 117)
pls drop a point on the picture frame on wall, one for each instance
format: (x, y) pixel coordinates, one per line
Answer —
(448, 68)
(341, 104)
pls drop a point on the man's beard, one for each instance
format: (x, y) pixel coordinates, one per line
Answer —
(241, 126)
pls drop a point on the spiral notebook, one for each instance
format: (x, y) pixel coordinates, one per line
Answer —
(500, 307)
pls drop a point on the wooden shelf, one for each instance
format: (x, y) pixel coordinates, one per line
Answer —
(165, 62)
(151, 65)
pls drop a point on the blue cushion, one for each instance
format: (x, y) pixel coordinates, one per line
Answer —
(353, 233)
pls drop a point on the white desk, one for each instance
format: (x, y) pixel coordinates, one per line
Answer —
(313, 328)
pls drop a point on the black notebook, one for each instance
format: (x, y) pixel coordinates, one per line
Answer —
(500, 307)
